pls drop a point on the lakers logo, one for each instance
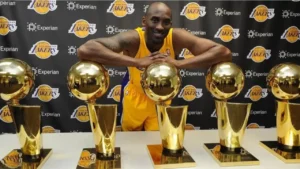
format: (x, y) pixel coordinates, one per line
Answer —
(7, 26)
(226, 33)
(43, 50)
(190, 92)
(261, 13)
(42, 6)
(49, 129)
(258, 54)
(291, 34)
(46, 93)
(185, 53)
(189, 127)
(214, 114)
(82, 28)
(81, 114)
(256, 93)
(253, 126)
(12, 160)
(86, 159)
(115, 93)
(5, 115)
(193, 11)
(120, 8)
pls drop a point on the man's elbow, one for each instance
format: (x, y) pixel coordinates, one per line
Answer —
(84, 51)
(225, 54)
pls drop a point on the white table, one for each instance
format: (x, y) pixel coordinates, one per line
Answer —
(68, 146)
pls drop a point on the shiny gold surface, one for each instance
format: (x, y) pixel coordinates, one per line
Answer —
(225, 80)
(88, 81)
(283, 81)
(16, 79)
(103, 119)
(244, 158)
(286, 157)
(288, 123)
(172, 121)
(232, 122)
(161, 161)
(88, 160)
(161, 81)
(27, 121)
(14, 160)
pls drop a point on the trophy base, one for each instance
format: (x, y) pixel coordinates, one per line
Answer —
(286, 156)
(233, 158)
(162, 158)
(16, 160)
(89, 159)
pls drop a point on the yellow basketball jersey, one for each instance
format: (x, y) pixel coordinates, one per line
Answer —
(135, 73)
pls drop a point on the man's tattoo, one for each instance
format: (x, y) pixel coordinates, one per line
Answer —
(110, 44)
(116, 43)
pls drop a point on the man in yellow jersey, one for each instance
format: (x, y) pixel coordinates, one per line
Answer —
(155, 41)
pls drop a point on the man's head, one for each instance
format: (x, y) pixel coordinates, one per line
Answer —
(157, 22)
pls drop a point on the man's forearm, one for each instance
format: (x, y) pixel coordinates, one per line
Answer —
(95, 51)
(205, 60)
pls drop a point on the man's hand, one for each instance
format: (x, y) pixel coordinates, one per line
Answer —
(152, 58)
(170, 60)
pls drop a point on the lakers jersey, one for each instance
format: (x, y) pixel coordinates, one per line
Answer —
(136, 73)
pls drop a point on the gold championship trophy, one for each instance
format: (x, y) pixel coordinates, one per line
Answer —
(16, 81)
(225, 81)
(88, 81)
(283, 81)
(161, 83)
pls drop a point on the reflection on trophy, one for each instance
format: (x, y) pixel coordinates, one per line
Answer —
(89, 81)
(161, 83)
(283, 81)
(225, 81)
(16, 81)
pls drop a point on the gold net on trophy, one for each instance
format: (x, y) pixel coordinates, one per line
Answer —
(16, 81)
(161, 82)
(283, 81)
(225, 81)
(88, 81)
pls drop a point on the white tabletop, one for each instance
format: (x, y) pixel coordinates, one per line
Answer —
(68, 146)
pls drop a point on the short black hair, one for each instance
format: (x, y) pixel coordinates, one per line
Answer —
(156, 3)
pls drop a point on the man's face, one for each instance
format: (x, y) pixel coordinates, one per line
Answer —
(157, 25)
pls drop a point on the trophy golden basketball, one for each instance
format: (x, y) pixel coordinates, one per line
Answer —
(225, 81)
(283, 81)
(161, 83)
(88, 81)
(16, 81)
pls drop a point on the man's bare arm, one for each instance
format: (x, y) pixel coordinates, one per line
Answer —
(206, 52)
(107, 50)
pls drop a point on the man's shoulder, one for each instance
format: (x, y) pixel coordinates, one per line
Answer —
(131, 36)
(132, 33)
(179, 32)
(132, 40)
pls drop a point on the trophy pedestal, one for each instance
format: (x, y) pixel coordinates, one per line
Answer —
(16, 160)
(90, 160)
(161, 160)
(285, 156)
(241, 158)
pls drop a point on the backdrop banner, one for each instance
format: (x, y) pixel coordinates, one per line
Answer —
(47, 33)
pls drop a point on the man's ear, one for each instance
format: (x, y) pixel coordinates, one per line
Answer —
(144, 21)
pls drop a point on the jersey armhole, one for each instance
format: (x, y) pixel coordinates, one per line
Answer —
(171, 42)
(140, 42)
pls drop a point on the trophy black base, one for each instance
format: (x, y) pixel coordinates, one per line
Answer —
(89, 159)
(162, 158)
(276, 149)
(16, 160)
(232, 157)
